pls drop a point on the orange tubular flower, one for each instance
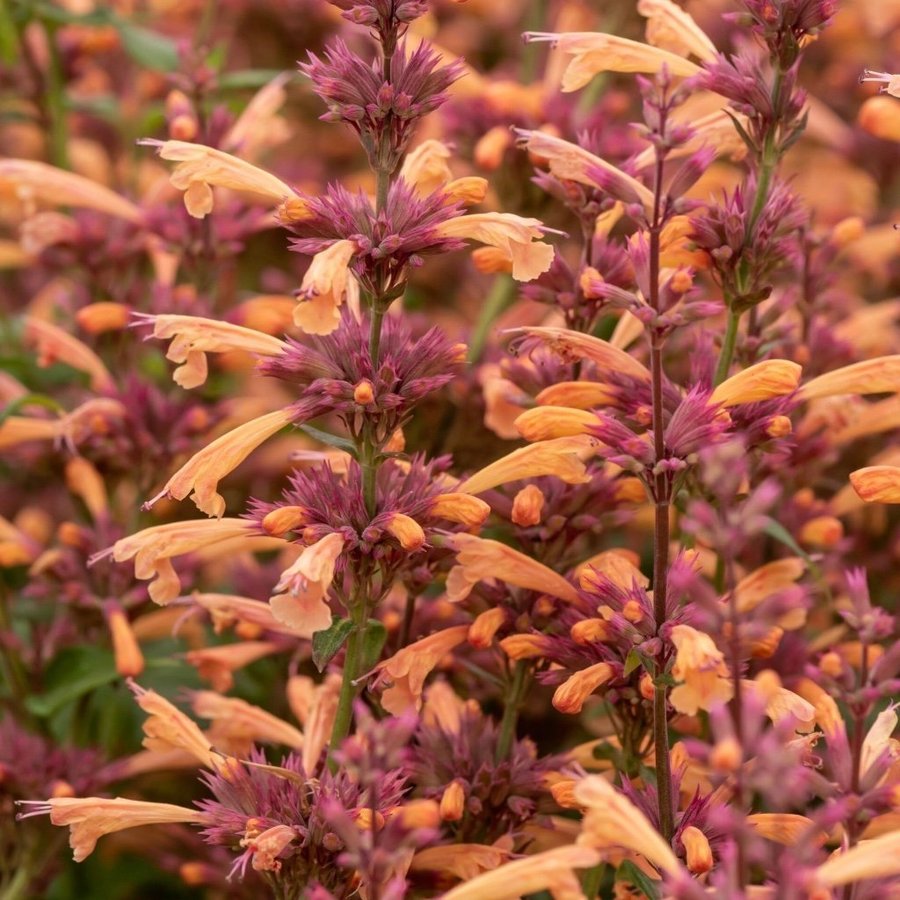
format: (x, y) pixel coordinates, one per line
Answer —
(55, 345)
(40, 183)
(241, 719)
(153, 549)
(518, 237)
(613, 821)
(460, 507)
(700, 665)
(569, 697)
(575, 345)
(200, 168)
(573, 163)
(553, 871)
(227, 610)
(327, 282)
(764, 381)
(193, 337)
(871, 376)
(878, 858)
(299, 598)
(218, 664)
(203, 471)
(89, 818)
(479, 559)
(463, 861)
(168, 727)
(407, 669)
(562, 457)
(877, 484)
(127, 651)
(547, 422)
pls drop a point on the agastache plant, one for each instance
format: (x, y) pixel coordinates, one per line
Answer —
(357, 565)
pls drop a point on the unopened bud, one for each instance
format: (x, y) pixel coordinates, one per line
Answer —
(847, 231)
(589, 281)
(646, 687)
(698, 854)
(469, 190)
(183, 128)
(880, 116)
(294, 210)
(61, 788)
(681, 282)
(779, 426)
(453, 802)
(633, 612)
(71, 535)
(363, 394)
(726, 755)
(588, 631)
(822, 531)
(406, 530)
(485, 627)
(96, 318)
(491, 260)
(367, 819)
(284, 519)
(492, 146)
(832, 664)
(527, 506)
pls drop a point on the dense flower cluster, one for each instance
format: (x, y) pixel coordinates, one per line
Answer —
(536, 410)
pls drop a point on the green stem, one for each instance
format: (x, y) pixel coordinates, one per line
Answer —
(17, 888)
(500, 298)
(592, 880)
(352, 664)
(514, 698)
(726, 355)
(56, 104)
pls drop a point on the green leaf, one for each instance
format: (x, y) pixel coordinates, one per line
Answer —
(632, 661)
(29, 400)
(74, 672)
(330, 440)
(629, 872)
(147, 48)
(247, 79)
(373, 644)
(327, 642)
(777, 531)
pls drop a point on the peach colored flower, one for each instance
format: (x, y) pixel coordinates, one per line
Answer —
(576, 395)
(570, 162)
(84, 481)
(168, 727)
(544, 423)
(200, 168)
(460, 507)
(698, 854)
(569, 697)
(700, 666)
(479, 559)
(153, 549)
(299, 598)
(227, 610)
(218, 664)
(407, 669)
(572, 345)
(486, 625)
(878, 858)
(327, 282)
(877, 484)
(462, 861)
(89, 818)
(259, 126)
(126, 650)
(527, 506)
(37, 182)
(764, 381)
(425, 167)
(871, 376)
(265, 846)
(407, 531)
(319, 720)
(205, 469)
(611, 820)
(783, 828)
(890, 83)
(553, 871)
(518, 237)
(193, 337)
(237, 718)
(595, 52)
(562, 457)
(670, 27)
(55, 345)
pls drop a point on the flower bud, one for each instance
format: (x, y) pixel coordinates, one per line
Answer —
(587, 631)
(646, 687)
(284, 519)
(822, 531)
(128, 656)
(569, 697)
(62, 788)
(417, 814)
(527, 506)
(547, 422)
(367, 819)
(681, 282)
(726, 755)
(633, 612)
(469, 190)
(491, 260)
(486, 625)
(524, 646)
(492, 146)
(296, 209)
(453, 802)
(880, 117)
(779, 426)
(832, 664)
(406, 530)
(698, 854)
(847, 231)
(363, 394)
(97, 318)
(463, 508)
